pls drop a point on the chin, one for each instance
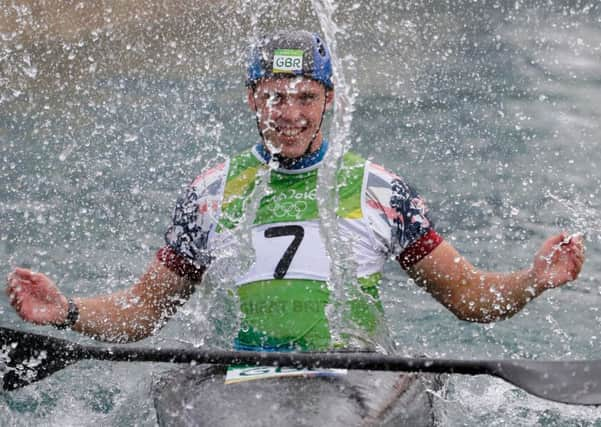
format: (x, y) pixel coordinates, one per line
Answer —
(292, 150)
(292, 153)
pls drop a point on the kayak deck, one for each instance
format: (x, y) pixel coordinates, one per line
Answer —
(195, 396)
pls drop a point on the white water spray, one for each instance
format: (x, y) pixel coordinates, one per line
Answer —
(583, 218)
(342, 265)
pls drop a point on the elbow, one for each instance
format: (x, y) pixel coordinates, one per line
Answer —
(470, 309)
(122, 337)
(132, 337)
(143, 328)
(478, 307)
(480, 314)
(474, 317)
(129, 331)
(469, 314)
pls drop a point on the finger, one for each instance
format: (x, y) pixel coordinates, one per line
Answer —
(578, 256)
(581, 247)
(573, 248)
(575, 267)
(17, 284)
(575, 242)
(16, 279)
(578, 260)
(21, 287)
(27, 276)
(12, 297)
(556, 240)
(578, 238)
(23, 272)
(9, 284)
(17, 303)
(11, 287)
(551, 245)
(39, 278)
(16, 293)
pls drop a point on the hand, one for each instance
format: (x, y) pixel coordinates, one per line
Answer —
(36, 298)
(559, 260)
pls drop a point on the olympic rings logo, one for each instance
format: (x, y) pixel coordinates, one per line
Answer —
(288, 209)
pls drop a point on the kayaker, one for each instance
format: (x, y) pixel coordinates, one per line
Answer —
(284, 296)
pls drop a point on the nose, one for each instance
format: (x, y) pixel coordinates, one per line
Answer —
(287, 110)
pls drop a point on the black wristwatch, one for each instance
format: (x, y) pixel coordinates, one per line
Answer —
(72, 316)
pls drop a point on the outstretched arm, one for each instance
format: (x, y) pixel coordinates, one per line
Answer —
(480, 296)
(127, 315)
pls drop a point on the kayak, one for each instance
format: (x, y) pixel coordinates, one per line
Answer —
(197, 396)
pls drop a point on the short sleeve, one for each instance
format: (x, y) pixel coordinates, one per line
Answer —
(399, 216)
(194, 223)
(412, 219)
(188, 233)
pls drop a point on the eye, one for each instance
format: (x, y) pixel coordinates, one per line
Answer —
(272, 97)
(308, 97)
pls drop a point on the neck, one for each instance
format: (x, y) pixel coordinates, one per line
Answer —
(313, 156)
(315, 145)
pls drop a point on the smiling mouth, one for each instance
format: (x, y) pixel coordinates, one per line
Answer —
(290, 132)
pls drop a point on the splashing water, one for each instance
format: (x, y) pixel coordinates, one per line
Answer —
(582, 218)
(448, 93)
(342, 265)
(233, 262)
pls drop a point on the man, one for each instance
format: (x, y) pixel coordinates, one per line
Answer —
(269, 192)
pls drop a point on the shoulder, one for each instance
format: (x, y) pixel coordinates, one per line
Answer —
(211, 176)
(202, 194)
(243, 162)
(215, 175)
(381, 179)
(391, 195)
(380, 172)
(351, 159)
(351, 169)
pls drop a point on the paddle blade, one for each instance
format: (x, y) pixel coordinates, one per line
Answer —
(573, 382)
(26, 357)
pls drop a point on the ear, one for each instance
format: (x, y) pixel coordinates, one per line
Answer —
(329, 98)
(250, 98)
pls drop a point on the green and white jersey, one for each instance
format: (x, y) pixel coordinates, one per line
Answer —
(284, 293)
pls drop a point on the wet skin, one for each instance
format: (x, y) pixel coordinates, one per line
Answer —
(289, 113)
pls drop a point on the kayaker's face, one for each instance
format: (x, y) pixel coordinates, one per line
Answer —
(289, 112)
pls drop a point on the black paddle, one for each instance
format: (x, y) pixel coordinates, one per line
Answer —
(27, 357)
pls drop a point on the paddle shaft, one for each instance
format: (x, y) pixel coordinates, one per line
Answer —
(29, 357)
(369, 361)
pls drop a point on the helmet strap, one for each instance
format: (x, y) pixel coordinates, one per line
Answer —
(323, 113)
(253, 87)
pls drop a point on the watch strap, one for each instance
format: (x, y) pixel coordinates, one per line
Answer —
(72, 315)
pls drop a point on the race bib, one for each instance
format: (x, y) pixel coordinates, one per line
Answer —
(290, 250)
(237, 374)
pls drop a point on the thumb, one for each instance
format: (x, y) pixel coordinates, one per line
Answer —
(553, 241)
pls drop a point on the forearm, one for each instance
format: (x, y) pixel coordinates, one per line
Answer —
(135, 313)
(472, 294)
(118, 317)
(488, 297)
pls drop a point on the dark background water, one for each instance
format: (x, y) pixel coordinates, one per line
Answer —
(490, 108)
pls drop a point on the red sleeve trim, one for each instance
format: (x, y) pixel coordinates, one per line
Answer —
(178, 264)
(419, 249)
